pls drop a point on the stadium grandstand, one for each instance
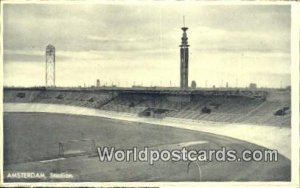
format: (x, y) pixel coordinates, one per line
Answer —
(268, 107)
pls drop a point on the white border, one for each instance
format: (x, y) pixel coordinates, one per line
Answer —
(295, 100)
(295, 32)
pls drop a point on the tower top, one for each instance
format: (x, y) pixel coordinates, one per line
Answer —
(183, 27)
(184, 38)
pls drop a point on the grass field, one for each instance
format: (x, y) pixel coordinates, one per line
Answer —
(32, 137)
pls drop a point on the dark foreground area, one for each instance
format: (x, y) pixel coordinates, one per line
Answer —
(31, 141)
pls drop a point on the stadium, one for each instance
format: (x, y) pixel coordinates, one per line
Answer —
(52, 132)
(27, 149)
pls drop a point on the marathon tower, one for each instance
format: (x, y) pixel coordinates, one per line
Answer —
(184, 59)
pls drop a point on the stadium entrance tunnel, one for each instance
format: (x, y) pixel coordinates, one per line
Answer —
(154, 112)
(60, 97)
(21, 95)
(282, 111)
(206, 110)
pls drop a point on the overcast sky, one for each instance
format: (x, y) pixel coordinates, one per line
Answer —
(139, 43)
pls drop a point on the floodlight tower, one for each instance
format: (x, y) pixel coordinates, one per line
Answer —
(50, 66)
(184, 59)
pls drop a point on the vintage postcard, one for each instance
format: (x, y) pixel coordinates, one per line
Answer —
(150, 94)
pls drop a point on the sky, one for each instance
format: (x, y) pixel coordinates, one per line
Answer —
(126, 44)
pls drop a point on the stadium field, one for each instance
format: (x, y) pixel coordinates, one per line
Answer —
(31, 143)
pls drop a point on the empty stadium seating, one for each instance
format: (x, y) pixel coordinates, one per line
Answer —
(75, 98)
(237, 109)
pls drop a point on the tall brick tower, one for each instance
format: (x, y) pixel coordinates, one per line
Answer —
(184, 59)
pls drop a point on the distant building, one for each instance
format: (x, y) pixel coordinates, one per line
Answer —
(184, 60)
(252, 86)
(97, 83)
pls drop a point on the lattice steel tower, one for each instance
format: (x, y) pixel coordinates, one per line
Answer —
(50, 66)
(184, 59)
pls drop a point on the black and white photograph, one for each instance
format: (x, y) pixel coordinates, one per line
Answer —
(162, 92)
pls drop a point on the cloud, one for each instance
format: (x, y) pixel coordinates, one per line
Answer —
(134, 39)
